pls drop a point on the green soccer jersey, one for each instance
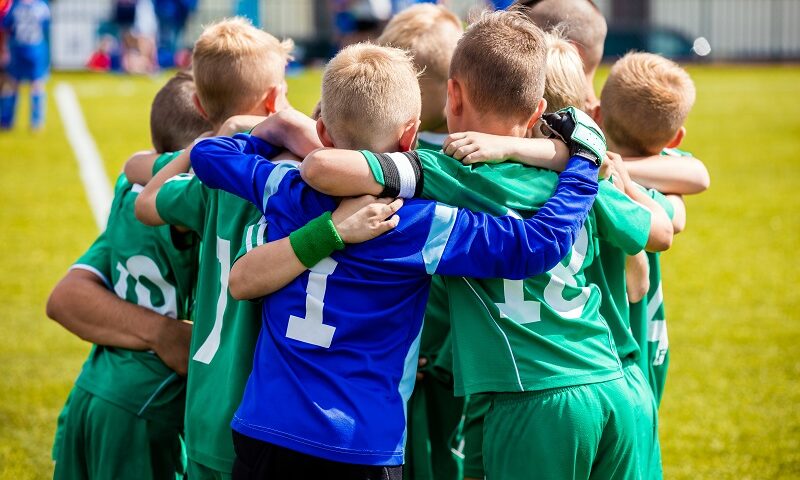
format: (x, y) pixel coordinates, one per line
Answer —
(648, 322)
(225, 330)
(608, 273)
(539, 333)
(430, 141)
(144, 266)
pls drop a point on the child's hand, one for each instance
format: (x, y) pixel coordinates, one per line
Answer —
(239, 124)
(475, 147)
(617, 171)
(363, 218)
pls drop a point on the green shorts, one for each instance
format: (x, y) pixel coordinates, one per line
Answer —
(474, 412)
(644, 408)
(434, 414)
(198, 471)
(581, 432)
(97, 439)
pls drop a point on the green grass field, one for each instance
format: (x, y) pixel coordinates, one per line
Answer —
(732, 406)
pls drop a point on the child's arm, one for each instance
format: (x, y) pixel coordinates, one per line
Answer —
(239, 124)
(637, 277)
(661, 231)
(291, 130)
(83, 304)
(139, 167)
(145, 208)
(339, 173)
(476, 147)
(355, 220)
(669, 174)
(679, 213)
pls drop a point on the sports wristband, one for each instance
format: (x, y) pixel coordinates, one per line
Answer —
(316, 240)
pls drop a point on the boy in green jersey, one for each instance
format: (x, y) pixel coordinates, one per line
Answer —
(539, 347)
(124, 417)
(645, 102)
(239, 70)
(430, 33)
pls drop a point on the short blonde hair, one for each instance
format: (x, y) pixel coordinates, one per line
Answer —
(368, 93)
(565, 83)
(645, 101)
(500, 62)
(422, 29)
(234, 64)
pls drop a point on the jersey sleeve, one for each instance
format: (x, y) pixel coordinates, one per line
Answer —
(479, 245)
(182, 201)
(254, 236)
(620, 220)
(662, 201)
(97, 259)
(163, 159)
(238, 165)
(417, 173)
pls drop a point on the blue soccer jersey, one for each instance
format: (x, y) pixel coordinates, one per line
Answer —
(27, 23)
(336, 357)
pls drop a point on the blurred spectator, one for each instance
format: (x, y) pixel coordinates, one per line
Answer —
(26, 24)
(172, 16)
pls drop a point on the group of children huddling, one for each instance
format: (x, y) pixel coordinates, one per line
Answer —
(456, 176)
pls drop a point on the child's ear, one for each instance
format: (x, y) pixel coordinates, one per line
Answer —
(597, 115)
(540, 108)
(199, 106)
(322, 133)
(678, 138)
(408, 139)
(275, 100)
(455, 101)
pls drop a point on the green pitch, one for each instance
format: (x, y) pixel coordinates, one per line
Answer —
(732, 403)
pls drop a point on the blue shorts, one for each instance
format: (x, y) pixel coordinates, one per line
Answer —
(28, 65)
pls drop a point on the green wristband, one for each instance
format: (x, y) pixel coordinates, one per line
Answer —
(316, 240)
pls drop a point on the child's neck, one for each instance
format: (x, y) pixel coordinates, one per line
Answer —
(485, 124)
(627, 151)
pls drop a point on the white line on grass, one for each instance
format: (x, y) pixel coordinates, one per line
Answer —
(93, 174)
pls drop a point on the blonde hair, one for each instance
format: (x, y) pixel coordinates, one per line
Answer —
(368, 93)
(565, 83)
(645, 101)
(581, 20)
(234, 65)
(422, 29)
(174, 120)
(500, 62)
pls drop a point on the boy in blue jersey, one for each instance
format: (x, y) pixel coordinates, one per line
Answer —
(27, 24)
(336, 356)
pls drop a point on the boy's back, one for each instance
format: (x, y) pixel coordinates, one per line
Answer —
(143, 266)
(238, 70)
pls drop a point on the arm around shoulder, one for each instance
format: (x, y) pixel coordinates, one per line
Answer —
(340, 173)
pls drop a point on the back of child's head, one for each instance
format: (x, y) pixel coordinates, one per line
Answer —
(430, 32)
(174, 119)
(582, 22)
(564, 84)
(234, 65)
(500, 64)
(645, 101)
(369, 93)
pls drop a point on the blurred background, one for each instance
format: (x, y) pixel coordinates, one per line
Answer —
(708, 30)
(731, 409)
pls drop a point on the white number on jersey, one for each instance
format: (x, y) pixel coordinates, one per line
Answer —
(311, 329)
(138, 267)
(522, 311)
(209, 348)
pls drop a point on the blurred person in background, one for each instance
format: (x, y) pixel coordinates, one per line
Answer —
(172, 16)
(26, 24)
